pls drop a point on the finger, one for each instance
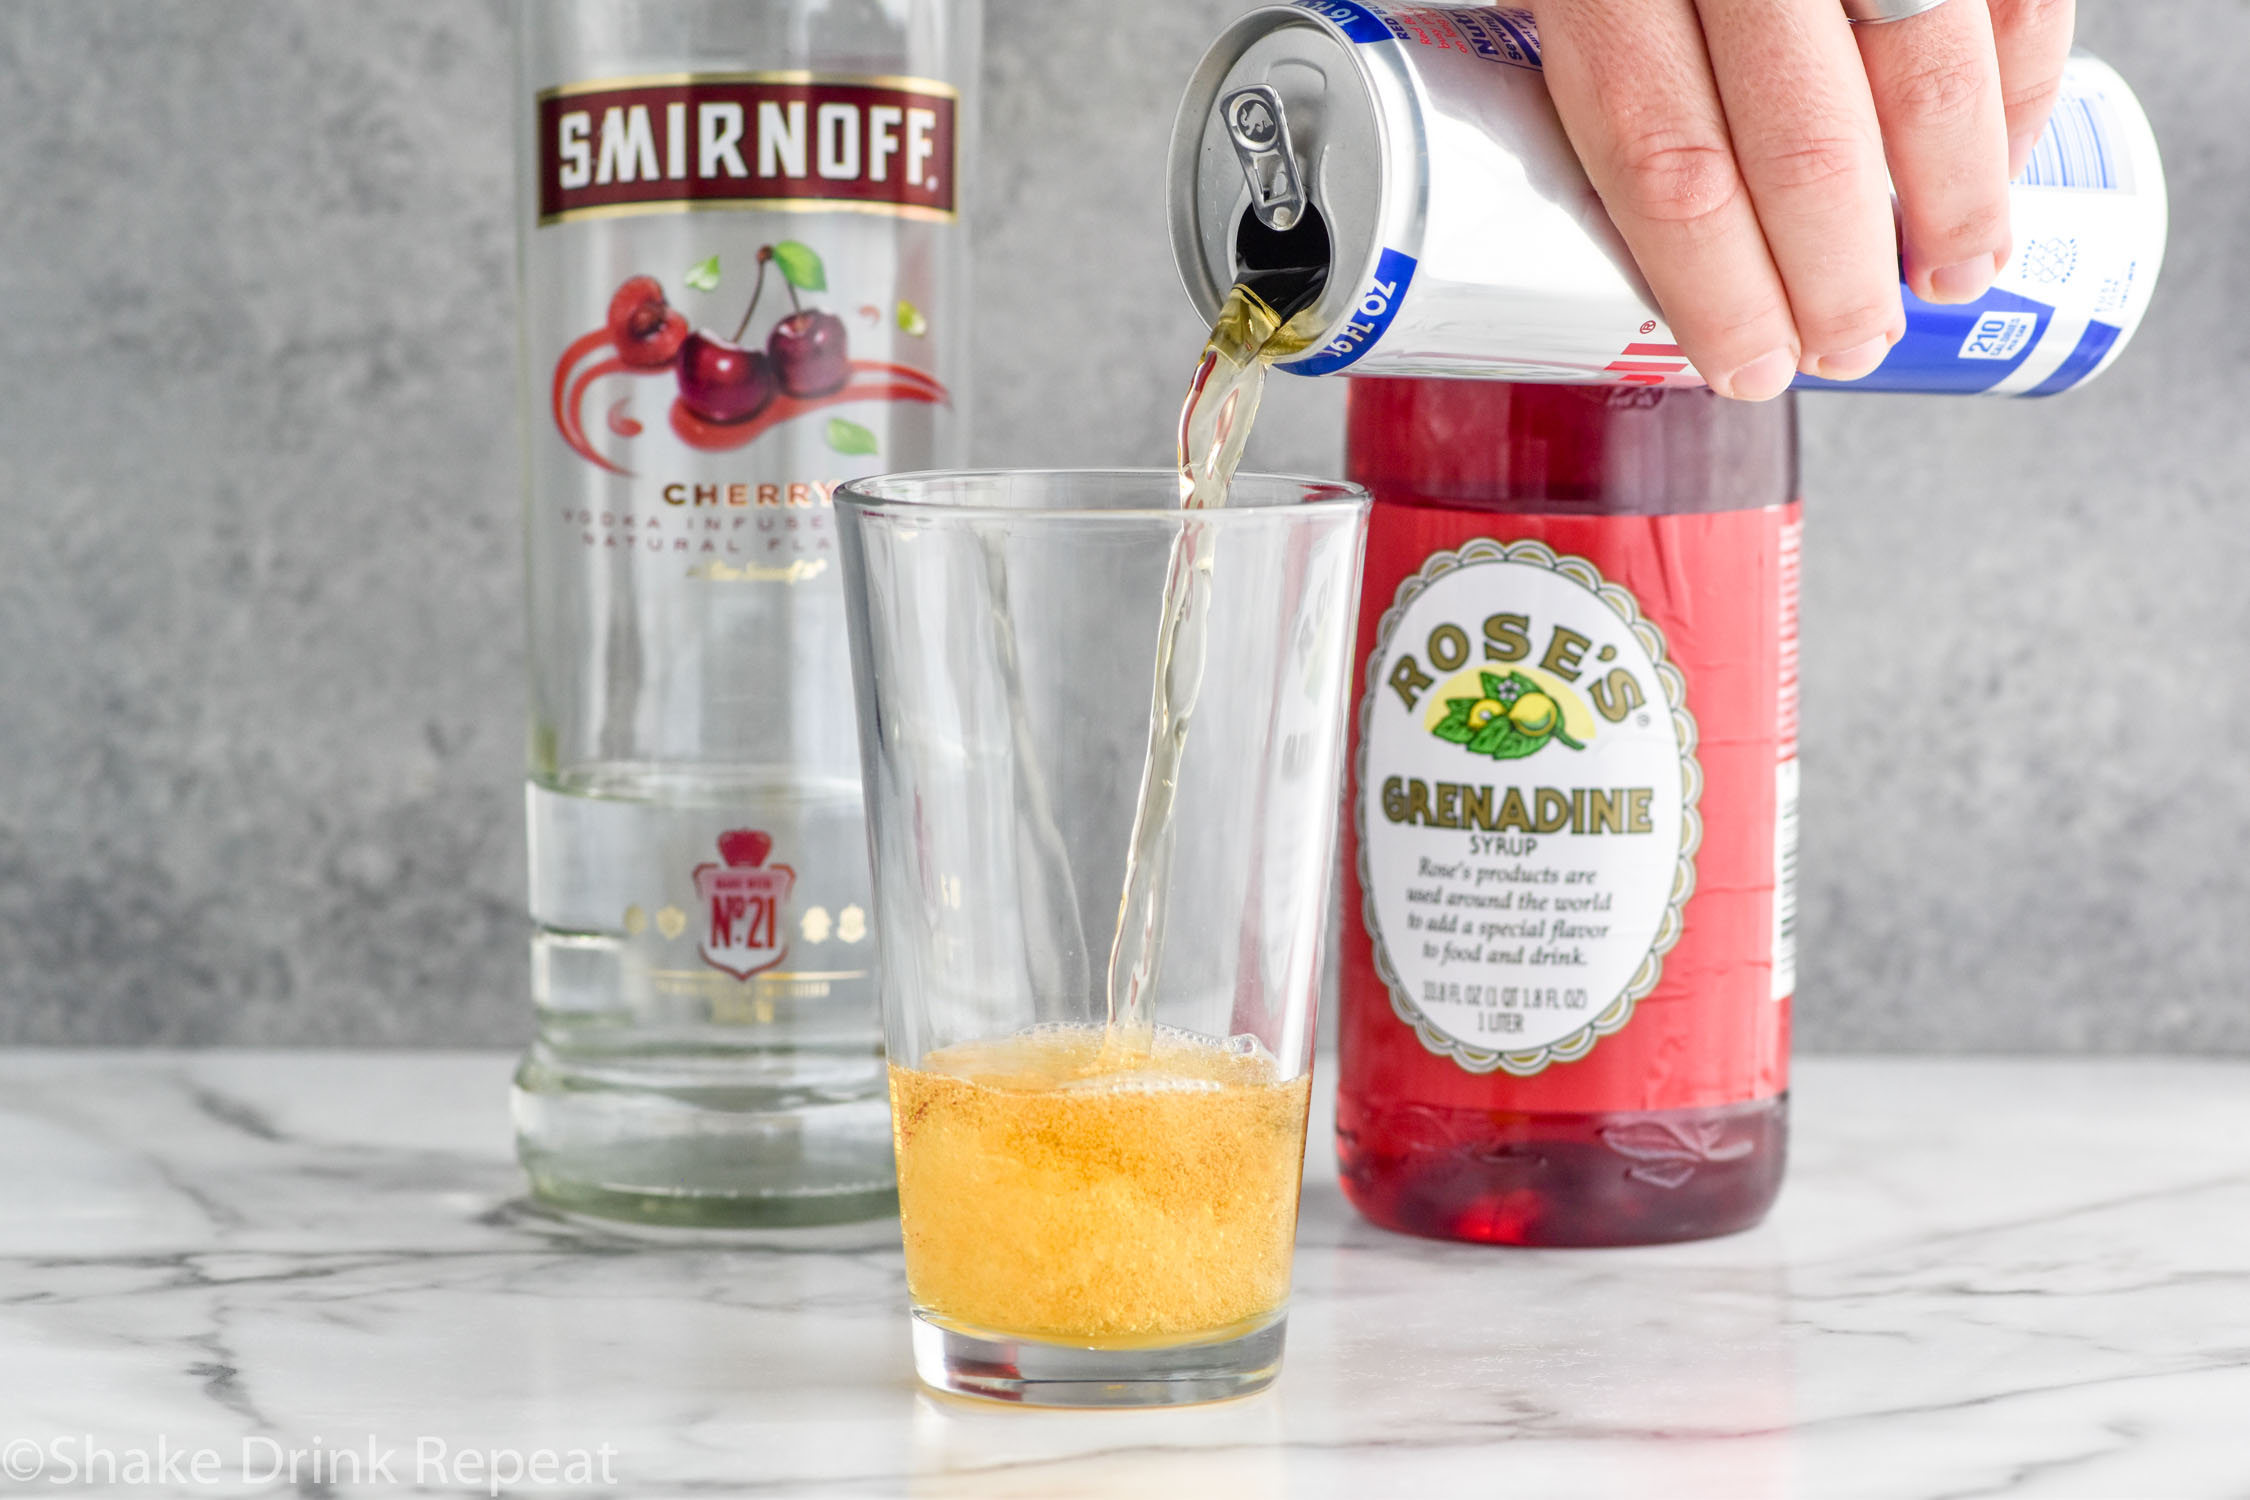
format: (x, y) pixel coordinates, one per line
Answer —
(2032, 39)
(1936, 83)
(1804, 132)
(1632, 84)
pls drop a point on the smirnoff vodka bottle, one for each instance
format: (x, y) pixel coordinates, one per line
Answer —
(742, 281)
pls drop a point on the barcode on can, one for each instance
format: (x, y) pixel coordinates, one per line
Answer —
(2080, 148)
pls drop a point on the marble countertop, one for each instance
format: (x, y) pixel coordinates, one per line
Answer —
(2020, 1278)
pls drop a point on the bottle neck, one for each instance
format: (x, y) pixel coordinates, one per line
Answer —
(1569, 449)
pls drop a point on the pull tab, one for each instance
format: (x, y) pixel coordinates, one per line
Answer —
(1260, 133)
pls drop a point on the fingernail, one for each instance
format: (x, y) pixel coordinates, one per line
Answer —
(1761, 379)
(1854, 362)
(1964, 280)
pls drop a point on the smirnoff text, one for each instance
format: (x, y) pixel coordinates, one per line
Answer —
(761, 139)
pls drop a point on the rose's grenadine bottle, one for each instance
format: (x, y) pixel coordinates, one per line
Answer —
(1568, 948)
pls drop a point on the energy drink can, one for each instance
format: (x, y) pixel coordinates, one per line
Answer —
(1464, 239)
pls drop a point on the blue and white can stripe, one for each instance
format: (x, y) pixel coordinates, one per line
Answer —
(1373, 312)
(2088, 216)
(1357, 23)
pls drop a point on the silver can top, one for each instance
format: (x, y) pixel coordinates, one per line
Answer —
(1335, 131)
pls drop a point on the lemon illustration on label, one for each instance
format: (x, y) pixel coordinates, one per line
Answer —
(1506, 716)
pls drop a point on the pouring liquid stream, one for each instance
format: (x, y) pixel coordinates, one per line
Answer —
(1215, 420)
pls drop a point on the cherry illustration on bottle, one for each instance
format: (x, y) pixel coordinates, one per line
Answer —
(647, 331)
(731, 392)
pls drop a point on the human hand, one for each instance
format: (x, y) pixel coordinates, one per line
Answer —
(1740, 147)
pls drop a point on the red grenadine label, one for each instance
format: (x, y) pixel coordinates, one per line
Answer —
(1574, 808)
(749, 140)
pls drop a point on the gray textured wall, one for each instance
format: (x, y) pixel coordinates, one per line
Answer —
(259, 702)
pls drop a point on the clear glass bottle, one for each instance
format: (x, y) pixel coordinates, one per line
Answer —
(742, 281)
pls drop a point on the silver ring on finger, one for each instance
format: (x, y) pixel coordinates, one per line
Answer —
(1876, 12)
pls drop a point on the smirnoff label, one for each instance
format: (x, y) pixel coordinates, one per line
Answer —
(725, 319)
(747, 140)
(741, 289)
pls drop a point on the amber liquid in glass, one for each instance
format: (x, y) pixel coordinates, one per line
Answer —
(1048, 1191)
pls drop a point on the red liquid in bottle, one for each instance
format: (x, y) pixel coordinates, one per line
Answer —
(1568, 956)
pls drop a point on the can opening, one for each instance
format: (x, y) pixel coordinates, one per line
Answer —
(1286, 268)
